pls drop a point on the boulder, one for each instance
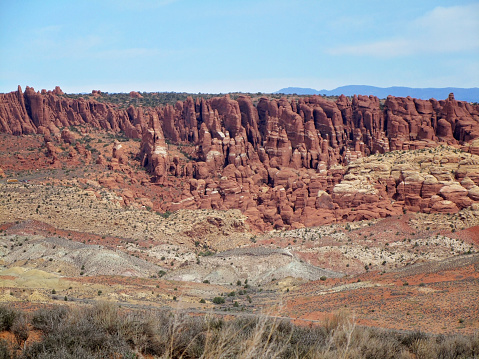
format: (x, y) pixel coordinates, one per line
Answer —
(69, 137)
(473, 193)
(119, 153)
(457, 194)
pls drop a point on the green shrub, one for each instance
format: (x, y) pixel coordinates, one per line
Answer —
(218, 300)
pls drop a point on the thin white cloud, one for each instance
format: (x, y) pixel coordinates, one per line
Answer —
(386, 48)
(449, 29)
(442, 30)
(50, 45)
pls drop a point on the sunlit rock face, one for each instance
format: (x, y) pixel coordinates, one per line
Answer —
(284, 162)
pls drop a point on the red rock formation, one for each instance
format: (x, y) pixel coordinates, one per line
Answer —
(134, 94)
(25, 113)
(119, 153)
(69, 137)
(58, 91)
(153, 153)
(275, 161)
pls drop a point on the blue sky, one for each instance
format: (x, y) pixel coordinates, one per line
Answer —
(225, 46)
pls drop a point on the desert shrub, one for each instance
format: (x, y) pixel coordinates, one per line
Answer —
(20, 328)
(214, 323)
(7, 317)
(409, 339)
(303, 341)
(424, 348)
(165, 215)
(453, 347)
(140, 330)
(335, 321)
(5, 352)
(218, 300)
(150, 335)
(370, 343)
(188, 337)
(81, 333)
(106, 331)
(268, 339)
(48, 320)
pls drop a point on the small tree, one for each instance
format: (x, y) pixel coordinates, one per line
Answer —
(218, 300)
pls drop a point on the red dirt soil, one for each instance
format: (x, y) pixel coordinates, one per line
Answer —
(442, 301)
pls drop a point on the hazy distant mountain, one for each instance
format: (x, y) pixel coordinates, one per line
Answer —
(462, 94)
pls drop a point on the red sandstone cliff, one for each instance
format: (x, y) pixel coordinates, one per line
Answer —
(276, 160)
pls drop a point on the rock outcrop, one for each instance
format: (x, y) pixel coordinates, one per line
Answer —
(153, 153)
(33, 112)
(282, 162)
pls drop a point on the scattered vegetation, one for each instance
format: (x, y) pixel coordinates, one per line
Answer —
(106, 331)
(154, 99)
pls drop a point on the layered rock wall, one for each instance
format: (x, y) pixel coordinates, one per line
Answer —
(284, 162)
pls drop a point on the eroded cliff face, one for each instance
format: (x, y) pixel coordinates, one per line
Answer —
(45, 112)
(282, 162)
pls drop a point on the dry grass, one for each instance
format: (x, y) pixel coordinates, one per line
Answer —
(104, 330)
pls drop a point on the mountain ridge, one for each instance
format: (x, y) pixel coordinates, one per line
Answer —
(462, 94)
